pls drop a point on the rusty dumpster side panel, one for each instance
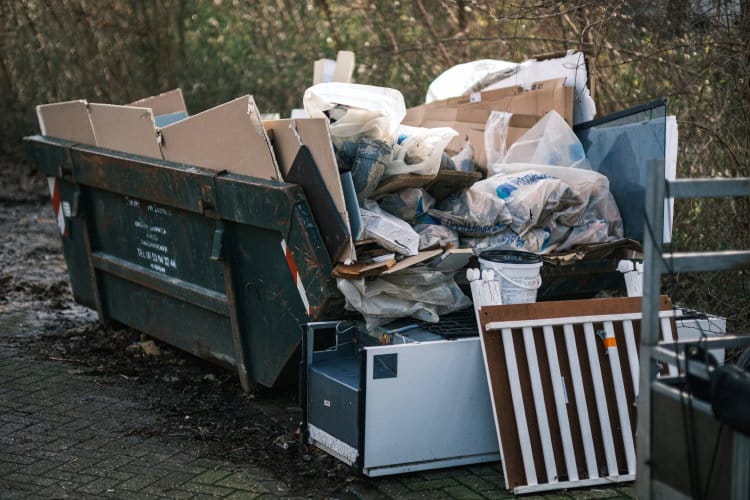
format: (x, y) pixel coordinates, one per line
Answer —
(221, 265)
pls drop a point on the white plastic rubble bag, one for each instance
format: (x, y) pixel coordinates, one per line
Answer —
(414, 292)
(496, 136)
(370, 111)
(468, 77)
(530, 196)
(388, 231)
(419, 150)
(597, 201)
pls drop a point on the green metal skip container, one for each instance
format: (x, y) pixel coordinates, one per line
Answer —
(224, 266)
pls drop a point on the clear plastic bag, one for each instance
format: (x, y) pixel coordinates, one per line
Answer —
(433, 236)
(471, 212)
(388, 231)
(419, 150)
(464, 159)
(550, 142)
(407, 204)
(496, 136)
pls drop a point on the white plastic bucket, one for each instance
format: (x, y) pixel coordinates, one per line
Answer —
(517, 273)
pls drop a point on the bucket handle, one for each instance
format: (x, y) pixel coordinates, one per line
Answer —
(536, 286)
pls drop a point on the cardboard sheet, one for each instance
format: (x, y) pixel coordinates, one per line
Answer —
(468, 114)
(333, 229)
(227, 137)
(66, 120)
(165, 103)
(288, 136)
(128, 129)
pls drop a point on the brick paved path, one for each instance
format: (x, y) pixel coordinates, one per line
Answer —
(64, 435)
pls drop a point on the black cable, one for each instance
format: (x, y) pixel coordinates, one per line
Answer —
(713, 461)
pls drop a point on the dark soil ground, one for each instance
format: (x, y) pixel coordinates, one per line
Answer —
(199, 405)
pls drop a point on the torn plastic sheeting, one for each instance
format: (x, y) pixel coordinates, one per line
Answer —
(388, 298)
(467, 77)
(496, 136)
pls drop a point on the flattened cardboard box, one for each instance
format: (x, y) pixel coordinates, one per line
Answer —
(227, 137)
(288, 136)
(67, 120)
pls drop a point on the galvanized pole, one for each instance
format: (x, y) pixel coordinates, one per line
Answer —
(653, 234)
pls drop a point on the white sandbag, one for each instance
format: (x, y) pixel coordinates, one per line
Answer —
(530, 196)
(433, 236)
(597, 202)
(388, 231)
(416, 293)
(471, 212)
(407, 204)
(535, 240)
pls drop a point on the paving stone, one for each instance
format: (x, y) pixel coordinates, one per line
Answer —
(99, 485)
(206, 489)
(138, 482)
(243, 495)
(29, 479)
(211, 476)
(462, 493)
(242, 481)
(434, 484)
(475, 483)
(498, 494)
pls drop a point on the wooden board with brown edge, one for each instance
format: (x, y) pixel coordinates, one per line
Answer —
(68, 120)
(398, 182)
(361, 269)
(129, 129)
(227, 137)
(499, 383)
(408, 262)
(448, 182)
(165, 103)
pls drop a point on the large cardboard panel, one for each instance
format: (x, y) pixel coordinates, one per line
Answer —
(125, 128)
(228, 137)
(334, 230)
(288, 136)
(165, 103)
(66, 120)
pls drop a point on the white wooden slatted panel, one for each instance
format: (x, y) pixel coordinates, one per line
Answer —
(560, 403)
(592, 466)
(539, 405)
(600, 398)
(622, 400)
(518, 408)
